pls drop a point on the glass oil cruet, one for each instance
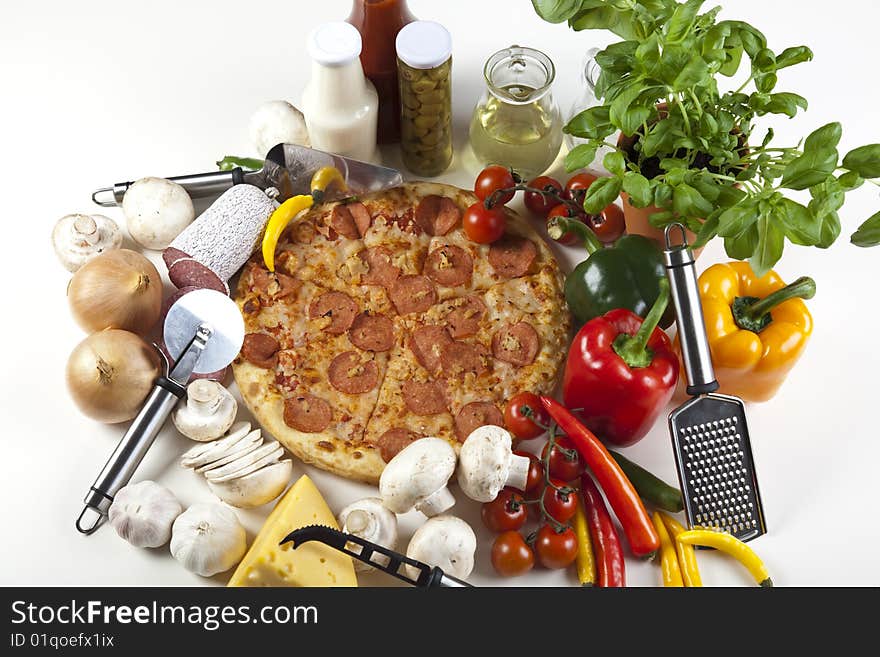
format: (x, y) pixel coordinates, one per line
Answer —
(516, 122)
(590, 72)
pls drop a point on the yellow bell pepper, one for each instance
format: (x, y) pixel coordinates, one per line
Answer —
(687, 556)
(757, 327)
(669, 565)
(731, 546)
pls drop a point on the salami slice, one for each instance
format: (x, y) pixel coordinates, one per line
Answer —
(423, 398)
(412, 294)
(380, 269)
(517, 344)
(351, 375)
(273, 285)
(260, 349)
(465, 319)
(343, 222)
(427, 343)
(393, 441)
(437, 215)
(474, 415)
(449, 266)
(188, 272)
(307, 413)
(460, 358)
(372, 332)
(512, 256)
(337, 309)
(361, 216)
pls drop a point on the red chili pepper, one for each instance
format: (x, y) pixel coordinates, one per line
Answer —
(606, 543)
(621, 370)
(622, 496)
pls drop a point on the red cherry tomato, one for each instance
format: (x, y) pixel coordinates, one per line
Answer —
(511, 555)
(563, 210)
(558, 504)
(521, 423)
(506, 512)
(536, 474)
(482, 225)
(577, 186)
(609, 225)
(490, 180)
(564, 462)
(538, 203)
(555, 549)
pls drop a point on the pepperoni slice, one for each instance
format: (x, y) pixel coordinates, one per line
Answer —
(372, 332)
(437, 215)
(512, 256)
(343, 222)
(424, 398)
(517, 344)
(307, 413)
(349, 374)
(474, 415)
(427, 344)
(412, 294)
(460, 358)
(449, 266)
(393, 441)
(273, 285)
(260, 349)
(338, 310)
(361, 217)
(465, 320)
(378, 262)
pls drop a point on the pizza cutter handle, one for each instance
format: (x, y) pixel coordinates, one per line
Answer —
(197, 185)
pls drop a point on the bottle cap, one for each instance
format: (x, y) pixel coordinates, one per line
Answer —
(334, 44)
(424, 44)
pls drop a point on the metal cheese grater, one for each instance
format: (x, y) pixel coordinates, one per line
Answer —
(710, 436)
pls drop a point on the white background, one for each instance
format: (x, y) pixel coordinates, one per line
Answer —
(92, 93)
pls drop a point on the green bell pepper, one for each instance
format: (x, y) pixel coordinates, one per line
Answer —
(626, 275)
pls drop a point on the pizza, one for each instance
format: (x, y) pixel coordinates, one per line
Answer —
(383, 323)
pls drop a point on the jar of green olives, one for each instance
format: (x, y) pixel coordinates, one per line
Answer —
(424, 64)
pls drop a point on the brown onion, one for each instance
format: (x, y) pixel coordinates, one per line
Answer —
(118, 289)
(110, 374)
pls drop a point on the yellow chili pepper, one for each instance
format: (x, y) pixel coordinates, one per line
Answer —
(757, 327)
(732, 546)
(586, 561)
(687, 556)
(278, 222)
(668, 559)
(323, 179)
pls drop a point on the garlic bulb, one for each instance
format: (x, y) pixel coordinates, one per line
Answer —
(142, 513)
(208, 539)
(207, 413)
(78, 238)
(241, 469)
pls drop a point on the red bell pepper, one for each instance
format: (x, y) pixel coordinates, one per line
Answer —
(621, 372)
(622, 496)
(610, 566)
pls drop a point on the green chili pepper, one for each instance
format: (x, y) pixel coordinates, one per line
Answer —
(231, 162)
(650, 488)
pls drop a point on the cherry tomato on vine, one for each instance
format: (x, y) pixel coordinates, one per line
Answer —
(609, 225)
(561, 506)
(511, 555)
(536, 474)
(555, 549)
(482, 225)
(541, 204)
(506, 512)
(522, 423)
(564, 462)
(563, 210)
(490, 180)
(577, 186)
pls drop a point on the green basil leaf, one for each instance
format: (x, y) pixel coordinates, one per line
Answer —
(738, 218)
(601, 194)
(764, 61)
(615, 163)
(785, 103)
(707, 231)
(742, 246)
(618, 57)
(693, 73)
(593, 123)
(658, 139)
(604, 18)
(826, 137)
(556, 11)
(864, 160)
(818, 161)
(850, 181)
(801, 226)
(638, 188)
(766, 82)
(682, 20)
(768, 251)
(580, 157)
(620, 107)
(792, 56)
(830, 230)
(688, 202)
(868, 233)
(648, 53)
(662, 195)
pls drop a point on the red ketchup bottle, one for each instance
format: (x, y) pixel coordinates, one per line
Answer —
(379, 21)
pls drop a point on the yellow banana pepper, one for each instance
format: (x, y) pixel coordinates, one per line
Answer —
(757, 327)
(732, 546)
(323, 179)
(585, 561)
(668, 559)
(278, 222)
(687, 556)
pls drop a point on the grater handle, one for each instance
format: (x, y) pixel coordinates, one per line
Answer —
(682, 273)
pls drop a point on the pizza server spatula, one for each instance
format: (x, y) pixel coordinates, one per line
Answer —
(205, 329)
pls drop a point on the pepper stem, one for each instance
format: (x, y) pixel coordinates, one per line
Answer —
(633, 349)
(752, 314)
(559, 226)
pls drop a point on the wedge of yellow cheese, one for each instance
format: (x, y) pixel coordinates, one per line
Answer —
(312, 564)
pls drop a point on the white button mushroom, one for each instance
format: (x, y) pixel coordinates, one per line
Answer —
(370, 520)
(78, 238)
(487, 464)
(156, 211)
(446, 542)
(208, 539)
(277, 122)
(143, 513)
(417, 477)
(207, 413)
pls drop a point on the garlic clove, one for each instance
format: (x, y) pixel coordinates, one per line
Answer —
(205, 453)
(208, 539)
(143, 513)
(256, 488)
(241, 449)
(264, 456)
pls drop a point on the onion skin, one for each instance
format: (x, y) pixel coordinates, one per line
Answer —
(118, 289)
(110, 374)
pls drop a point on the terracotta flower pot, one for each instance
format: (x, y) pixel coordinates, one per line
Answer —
(637, 222)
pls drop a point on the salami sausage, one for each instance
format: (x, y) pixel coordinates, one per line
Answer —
(307, 413)
(512, 256)
(449, 266)
(343, 222)
(517, 344)
(372, 332)
(460, 358)
(465, 319)
(349, 374)
(380, 270)
(423, 398)
(393, 441)
(427, 344)
(338, 310)
(260, 349)
(189, 272)
(474, 415)
(437, 215)
(361, 216)
(412, 294)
